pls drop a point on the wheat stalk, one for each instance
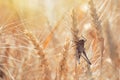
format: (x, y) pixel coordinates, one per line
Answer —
(98, 27)
(63, 67)
(74, 32)
(112, 50)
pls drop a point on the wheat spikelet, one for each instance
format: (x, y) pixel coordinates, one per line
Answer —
(44, 63)
(97, 24)
(63, 67)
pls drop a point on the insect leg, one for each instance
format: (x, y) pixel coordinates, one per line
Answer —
(78, 56)
(86, 57)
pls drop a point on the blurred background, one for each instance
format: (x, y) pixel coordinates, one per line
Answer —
(36, 41)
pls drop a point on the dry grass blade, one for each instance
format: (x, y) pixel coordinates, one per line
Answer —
(50, 35)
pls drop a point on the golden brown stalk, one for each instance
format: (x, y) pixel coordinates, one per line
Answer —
(51, 34)
(63, 68)
(98, 27)
(114, 55)
(74, 31)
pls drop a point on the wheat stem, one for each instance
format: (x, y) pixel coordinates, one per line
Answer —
(96, 22)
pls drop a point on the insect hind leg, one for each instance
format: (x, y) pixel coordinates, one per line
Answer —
(78, 55)
(88, 61)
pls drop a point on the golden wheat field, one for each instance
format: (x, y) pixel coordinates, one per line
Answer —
(40, 39)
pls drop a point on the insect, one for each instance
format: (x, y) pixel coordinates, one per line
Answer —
(80, 49)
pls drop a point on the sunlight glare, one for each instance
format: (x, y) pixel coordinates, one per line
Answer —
(87, 26)
(49, 8)
(84, 7)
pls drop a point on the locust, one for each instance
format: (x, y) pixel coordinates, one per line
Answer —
(81, 50)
